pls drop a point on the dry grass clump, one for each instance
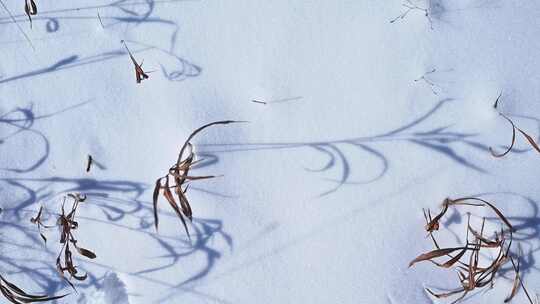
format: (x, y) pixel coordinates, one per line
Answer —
(67, 224)
(140, 74)
(179, 173)
(473, 274)
(15, 294)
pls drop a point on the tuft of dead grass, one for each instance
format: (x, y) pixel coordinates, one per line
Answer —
(466, 259)
(140, 74)
(67, 225)
(177, 179)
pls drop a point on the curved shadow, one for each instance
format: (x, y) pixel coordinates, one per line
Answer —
(440, 140)
(116, 199)
(206, 230)
(182, 69)
(20, 122)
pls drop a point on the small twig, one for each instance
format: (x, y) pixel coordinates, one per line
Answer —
(496, 104)
(277, 100)
(89, 163)
(100, 21)
(431, 84)
(412, 7)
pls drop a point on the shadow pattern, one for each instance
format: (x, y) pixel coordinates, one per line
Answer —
(123, 12)
(440, 140)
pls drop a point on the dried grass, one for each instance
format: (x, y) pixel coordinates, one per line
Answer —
(67, 224)
(465, 259)
(30, 9)
(179, 173)
(140, 74)
(529, 139)
(16, 295)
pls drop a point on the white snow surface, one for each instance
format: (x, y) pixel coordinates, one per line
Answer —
(112, 291)
(322, 190)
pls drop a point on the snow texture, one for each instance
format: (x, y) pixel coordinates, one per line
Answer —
(366, 122)
(113, 291)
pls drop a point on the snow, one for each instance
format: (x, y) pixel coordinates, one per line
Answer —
(113, 291)
(323, 188)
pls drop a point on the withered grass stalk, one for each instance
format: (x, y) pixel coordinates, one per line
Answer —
(178, 178)
(67, 224)
(30, 9)
(514, 129)
(16, 295)
(140, 74)
(465, 258)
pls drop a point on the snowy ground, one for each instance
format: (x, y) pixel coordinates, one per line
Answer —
(322, 194)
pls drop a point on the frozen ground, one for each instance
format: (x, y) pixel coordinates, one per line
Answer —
(322, 191)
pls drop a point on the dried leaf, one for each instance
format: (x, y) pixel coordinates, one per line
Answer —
(497, 211)
(16, 295)
(500, 215)
(444, 295)
(186, 208)
(488, 243)
(434, 223)
(87, 253)
(434, 254)
(455, 259)
(168, 195)
(140, 75)
(530, 140)
(515, 286)
(155, 197)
